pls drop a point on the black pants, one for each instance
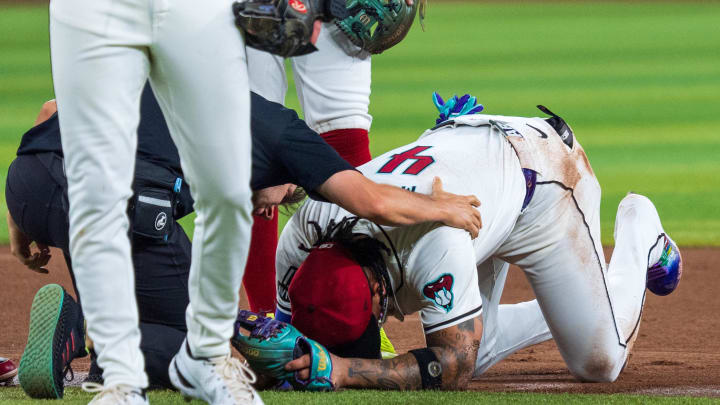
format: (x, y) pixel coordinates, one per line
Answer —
(36, 195)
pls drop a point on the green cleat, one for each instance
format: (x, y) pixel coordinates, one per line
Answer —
(56, 337)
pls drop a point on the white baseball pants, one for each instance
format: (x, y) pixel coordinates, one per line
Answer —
(593, 312)
(102, 53)
(333, 83)
(506, 328)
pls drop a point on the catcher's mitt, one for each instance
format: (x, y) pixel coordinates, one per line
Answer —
(377, 25)
(284, 27)
(272, 344)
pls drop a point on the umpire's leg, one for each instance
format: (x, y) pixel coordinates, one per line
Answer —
(159, 344)
(162, 269)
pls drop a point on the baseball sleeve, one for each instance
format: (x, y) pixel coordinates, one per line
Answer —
(286, 150)
(443, 272)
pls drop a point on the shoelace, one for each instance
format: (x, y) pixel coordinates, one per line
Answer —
(118, 394)
(238, 376)
(66, 371)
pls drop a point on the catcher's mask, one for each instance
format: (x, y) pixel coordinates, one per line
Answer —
(284, 27)
(331, 301)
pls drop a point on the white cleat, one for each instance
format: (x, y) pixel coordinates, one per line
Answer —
(117, 395)
(219, 380)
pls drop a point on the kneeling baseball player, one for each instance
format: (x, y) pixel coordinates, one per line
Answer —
(285, 151)
(340, 276)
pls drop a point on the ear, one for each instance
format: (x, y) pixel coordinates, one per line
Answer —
(377, 288)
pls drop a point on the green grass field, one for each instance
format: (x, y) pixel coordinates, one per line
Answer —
(639, 82)
(16, 396)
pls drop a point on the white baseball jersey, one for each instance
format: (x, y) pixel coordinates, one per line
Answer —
(593, 312)
(437, 271)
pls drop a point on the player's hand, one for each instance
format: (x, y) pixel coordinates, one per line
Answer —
(461, 211)
(302, 364)
(265, 200)
(20, 248)
(265, 213)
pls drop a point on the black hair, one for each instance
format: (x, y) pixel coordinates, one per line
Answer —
(365, 250)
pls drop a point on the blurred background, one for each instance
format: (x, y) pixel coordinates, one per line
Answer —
(639, 82)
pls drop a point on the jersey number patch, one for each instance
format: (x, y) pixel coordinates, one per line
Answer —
(421, 162)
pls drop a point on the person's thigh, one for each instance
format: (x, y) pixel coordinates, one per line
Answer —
(206, 100)
(162, 269)
(555, 246)
(333, 86)
(267, 75)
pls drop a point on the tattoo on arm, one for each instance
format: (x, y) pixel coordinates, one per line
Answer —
(456, 347)
(400, 373)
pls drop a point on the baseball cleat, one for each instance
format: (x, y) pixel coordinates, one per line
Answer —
(56, 337)
(117, 395)
(664, 275)
(8, 371)
(219, 380)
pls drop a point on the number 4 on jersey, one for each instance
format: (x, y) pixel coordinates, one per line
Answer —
(420, 164)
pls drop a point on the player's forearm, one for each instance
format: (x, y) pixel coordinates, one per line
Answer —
(398, 207)
(393, 206)
(455, 347)
(403, 373)
(380, 203)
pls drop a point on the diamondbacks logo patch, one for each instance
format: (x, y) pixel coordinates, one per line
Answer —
(440, 292)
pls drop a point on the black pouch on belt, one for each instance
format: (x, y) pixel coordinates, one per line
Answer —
(152, 206)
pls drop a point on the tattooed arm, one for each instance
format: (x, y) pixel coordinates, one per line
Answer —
(456, 348)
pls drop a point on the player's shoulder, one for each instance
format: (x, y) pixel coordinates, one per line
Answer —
(440, 244)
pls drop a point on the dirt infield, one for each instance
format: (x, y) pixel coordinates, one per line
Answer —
(677, 352)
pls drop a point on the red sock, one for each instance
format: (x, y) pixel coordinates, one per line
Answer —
(259, 278)
(352, 144)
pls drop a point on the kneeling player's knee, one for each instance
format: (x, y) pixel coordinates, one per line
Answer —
(599, 367)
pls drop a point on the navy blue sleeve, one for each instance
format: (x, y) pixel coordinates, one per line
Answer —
(286, 150)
